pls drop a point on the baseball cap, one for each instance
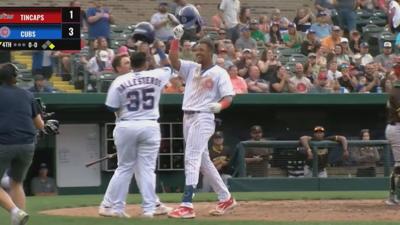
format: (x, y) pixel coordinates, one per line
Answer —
(246, 50)
(343, 66)
(218, 134)
(312, 54)
(38, 77)
(344, 40)
(292, 25)
(322, 13)
(43, 166)
(336, 28)
(322, 76)
(244, 29)
(310, 31)
(364, 45)
(256, 128)
(254, 21)
(103, 55)
(163, 3)
(319, 128)
(387, 44)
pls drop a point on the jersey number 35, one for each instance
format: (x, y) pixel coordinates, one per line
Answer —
(142, 97)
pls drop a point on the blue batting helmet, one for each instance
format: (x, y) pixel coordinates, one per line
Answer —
(190, 17)
(144, 31)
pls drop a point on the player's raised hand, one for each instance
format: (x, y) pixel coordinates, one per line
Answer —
(215, 107)
(178, 31)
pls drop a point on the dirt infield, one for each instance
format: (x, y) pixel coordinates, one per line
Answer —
(298, 210)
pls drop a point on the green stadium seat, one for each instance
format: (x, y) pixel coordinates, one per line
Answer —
(298, 58)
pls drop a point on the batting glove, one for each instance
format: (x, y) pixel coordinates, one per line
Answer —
(215, 107)
(178, 31)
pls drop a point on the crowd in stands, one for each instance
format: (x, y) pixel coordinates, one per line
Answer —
(324, 49)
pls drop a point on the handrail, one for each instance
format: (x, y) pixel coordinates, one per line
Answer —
(240, 165)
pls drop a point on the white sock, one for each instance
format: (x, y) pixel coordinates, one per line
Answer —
(14, 210)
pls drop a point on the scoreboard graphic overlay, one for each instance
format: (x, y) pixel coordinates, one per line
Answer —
(40, 28)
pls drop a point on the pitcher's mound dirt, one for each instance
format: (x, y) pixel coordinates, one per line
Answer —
(298, 210)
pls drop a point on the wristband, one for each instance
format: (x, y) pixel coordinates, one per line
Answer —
(174, 46)
(225, 103)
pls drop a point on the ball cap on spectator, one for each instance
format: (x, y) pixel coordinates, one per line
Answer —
(319, 129)
(312, 54)
(310, 31)
(322, 13)
(43, 166)
(364, 45)
(387, 44)
(336, 28)
(254, 21)
(163, 3)
(38, 77)
(292, 25)
(344, 66)
(245, 29)
(246, 50)
(344, 40)
(103, 55)
(218, 134)
(255, 128)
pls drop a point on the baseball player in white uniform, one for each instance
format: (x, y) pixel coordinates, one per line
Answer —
(208, 90)
(134, 97)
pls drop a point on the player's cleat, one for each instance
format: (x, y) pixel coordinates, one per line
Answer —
(162, 209)
(19, 218)
(182, 212)
(148, 215)
(224, 207)
(392, 200)
(109, 212)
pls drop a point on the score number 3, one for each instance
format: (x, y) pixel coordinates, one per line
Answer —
(71, 31)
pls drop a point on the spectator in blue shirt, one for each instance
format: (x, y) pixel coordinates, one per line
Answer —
(99, 19)
(321, 27)
(40, 85)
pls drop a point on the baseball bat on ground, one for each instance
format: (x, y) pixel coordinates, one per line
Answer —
(109, 156)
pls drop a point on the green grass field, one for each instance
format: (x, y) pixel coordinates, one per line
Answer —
(37, 204)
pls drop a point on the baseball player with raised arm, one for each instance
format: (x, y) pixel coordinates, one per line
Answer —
(134, 98)
(208, 90)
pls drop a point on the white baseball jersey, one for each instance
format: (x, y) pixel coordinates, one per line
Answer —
(136, 94)
(204, 86)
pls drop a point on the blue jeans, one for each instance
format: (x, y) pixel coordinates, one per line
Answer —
(347, 19)
(233, 33)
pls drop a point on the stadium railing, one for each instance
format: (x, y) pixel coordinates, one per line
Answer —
(240, 164)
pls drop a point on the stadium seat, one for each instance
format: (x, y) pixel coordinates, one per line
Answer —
(298, 58)
(104, 81)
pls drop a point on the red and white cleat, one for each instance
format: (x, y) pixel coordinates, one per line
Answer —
(224, 207)
(182, 212)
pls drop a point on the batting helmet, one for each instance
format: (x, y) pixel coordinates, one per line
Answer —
(144, 31)
(51, 127)
(190, 17)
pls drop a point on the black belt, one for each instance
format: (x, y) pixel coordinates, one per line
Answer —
(138, 120)
(189, 112)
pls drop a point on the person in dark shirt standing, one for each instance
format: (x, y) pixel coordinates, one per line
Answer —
(322, 153)
(393, 136)
(220, 155)
(19, 116)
